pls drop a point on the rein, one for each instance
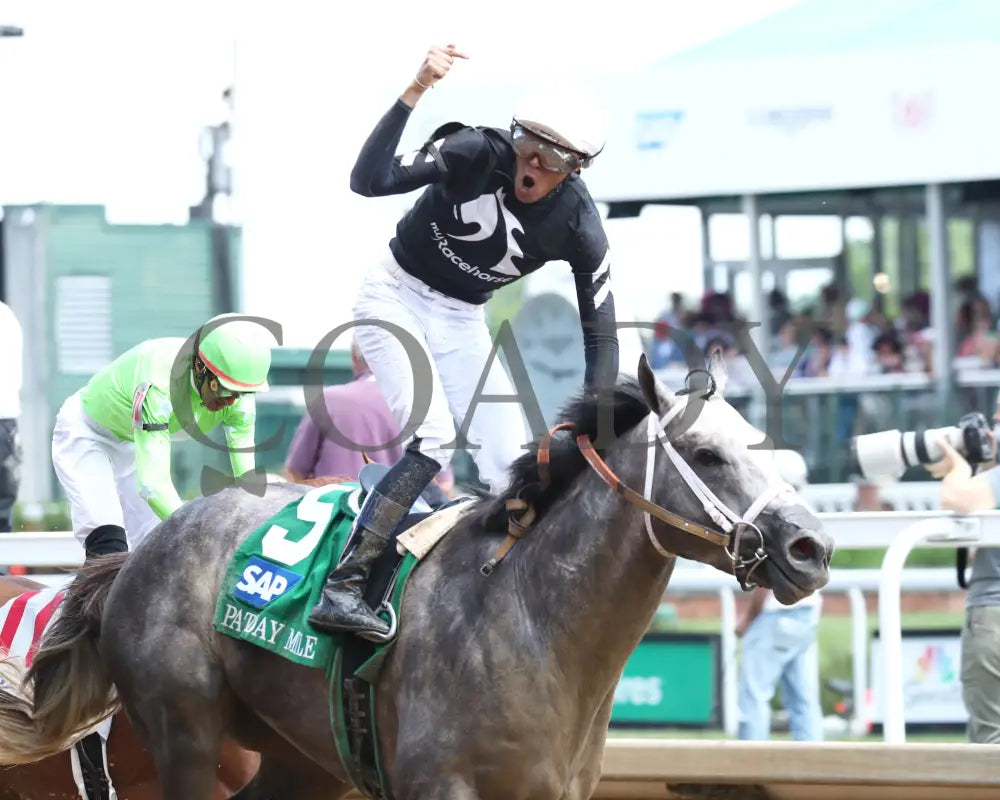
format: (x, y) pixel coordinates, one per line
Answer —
(518, 526)
(732, 528)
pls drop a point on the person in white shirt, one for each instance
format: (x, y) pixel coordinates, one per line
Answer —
(11, 367)
(779, 647)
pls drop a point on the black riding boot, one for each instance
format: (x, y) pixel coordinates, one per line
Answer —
(342, 607)
(103, 540)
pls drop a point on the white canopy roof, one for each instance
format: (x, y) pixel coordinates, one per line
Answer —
(830, 94)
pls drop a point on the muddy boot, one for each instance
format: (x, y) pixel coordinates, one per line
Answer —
(342, 607)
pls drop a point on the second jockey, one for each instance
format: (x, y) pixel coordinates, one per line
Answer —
(112, 438)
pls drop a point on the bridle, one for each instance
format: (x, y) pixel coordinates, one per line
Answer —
(730, 533)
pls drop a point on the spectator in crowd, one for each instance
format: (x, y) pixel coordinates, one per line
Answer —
(979, 342)
(816, 362)
(11, 359)
(779, 648)
(869, 495)
(663, 350)
(860, 336)
(786, 348)
(719, 308)
(674, 314)
(364, 422)
(964, 492)
(915, 333)
(888, 354)
(362, 418)
(778, 310)
(831, 312)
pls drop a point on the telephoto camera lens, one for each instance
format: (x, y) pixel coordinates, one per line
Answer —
(888, 454)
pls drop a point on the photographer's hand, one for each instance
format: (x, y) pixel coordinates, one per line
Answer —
(953, 462)
(961, 491)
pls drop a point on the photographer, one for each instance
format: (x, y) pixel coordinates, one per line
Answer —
(964, 492)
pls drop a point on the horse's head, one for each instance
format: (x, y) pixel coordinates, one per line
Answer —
(713, 470)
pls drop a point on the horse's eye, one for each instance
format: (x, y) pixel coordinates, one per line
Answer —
(707, 457)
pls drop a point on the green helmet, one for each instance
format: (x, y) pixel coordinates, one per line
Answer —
(238, 353)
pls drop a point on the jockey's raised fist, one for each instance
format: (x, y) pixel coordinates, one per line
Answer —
(436, 64)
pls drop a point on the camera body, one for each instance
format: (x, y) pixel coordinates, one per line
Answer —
(888, 454)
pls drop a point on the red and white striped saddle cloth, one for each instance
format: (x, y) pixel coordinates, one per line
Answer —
(23, 621)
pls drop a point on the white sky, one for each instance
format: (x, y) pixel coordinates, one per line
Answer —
(103, 102)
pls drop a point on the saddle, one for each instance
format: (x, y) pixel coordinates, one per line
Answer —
(432, 499)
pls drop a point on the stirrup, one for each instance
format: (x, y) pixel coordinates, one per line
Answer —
(382, 638)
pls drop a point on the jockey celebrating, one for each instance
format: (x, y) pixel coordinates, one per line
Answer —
(498, 205)
(111, 443)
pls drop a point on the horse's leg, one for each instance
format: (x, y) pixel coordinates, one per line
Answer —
(588, 765)
(285, 774)
(177, 712)
(186, 752)
(444, 788)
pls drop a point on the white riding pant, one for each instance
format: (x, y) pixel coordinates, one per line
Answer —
(97, 473)
(456, 341)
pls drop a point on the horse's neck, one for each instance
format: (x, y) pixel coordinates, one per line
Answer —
(597, 575)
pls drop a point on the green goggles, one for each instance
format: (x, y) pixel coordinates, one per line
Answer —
(551, 156)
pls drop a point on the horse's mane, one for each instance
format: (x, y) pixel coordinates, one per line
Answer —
(586, 414)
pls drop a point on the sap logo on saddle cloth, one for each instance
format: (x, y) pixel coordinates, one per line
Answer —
(263, 581)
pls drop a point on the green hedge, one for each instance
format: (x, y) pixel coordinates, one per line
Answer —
(872, 559)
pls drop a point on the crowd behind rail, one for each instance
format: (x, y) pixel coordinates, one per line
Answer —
(838, 340)
(843, 336)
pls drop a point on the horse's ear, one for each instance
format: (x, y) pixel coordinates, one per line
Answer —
(658, 397)
(717, 369)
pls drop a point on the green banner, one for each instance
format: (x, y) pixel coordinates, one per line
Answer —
(671, 680)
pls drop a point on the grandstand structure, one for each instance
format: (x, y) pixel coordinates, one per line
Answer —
(852, 109)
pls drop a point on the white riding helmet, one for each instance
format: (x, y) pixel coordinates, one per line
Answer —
(568, 116)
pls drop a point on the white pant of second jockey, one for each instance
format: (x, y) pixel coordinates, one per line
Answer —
(97, 473)
(457, 343)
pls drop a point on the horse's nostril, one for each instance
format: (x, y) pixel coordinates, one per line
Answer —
(803, 549)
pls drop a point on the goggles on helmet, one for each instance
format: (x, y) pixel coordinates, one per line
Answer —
(214, 386)
(218, 391)
(552, 157)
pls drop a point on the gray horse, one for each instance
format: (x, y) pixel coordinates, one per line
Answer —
(498, 686)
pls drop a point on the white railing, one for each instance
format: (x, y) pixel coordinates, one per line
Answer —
(899, 532)
(693, 578)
